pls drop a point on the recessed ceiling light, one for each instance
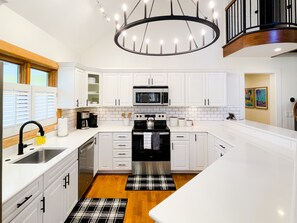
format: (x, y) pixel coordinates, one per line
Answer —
(277, 49)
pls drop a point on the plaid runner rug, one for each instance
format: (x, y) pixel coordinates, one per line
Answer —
(98, 210)
(150, 182)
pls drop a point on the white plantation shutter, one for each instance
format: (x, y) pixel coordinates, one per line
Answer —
(16, 107)
(44, 104)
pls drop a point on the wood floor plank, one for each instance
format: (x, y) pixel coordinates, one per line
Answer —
(139, 202)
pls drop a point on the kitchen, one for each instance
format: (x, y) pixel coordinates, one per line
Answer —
(84, 60)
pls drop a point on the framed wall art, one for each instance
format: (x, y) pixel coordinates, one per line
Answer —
(261, 98)
(249, 98)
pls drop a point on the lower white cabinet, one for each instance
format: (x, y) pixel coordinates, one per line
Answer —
(61, 195)
(198, 151)
(180, 147)
(211, 152)
(115, 151)
(32, 213)
(105, 151)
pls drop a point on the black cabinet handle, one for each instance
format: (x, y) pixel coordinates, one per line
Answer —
(65, 182)
(26, 199)
(179, 136)
(222, 154)
(222, 146)
(43, 205)
(77, 103)
(195, 138)
(68, 179)
(208, 101)
(172, 146)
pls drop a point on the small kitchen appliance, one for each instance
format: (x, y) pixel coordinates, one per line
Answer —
(82, 120)
(150, 95)
(150, 145)
(93, 120)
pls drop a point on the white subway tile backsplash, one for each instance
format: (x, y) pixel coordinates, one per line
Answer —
(193, 113)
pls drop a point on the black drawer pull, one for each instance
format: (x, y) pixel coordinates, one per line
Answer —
(122, 136)
(121, 145)
(122, 154)
(68, 179)
(43, 205)
(65, 182)
(122, 164)
(222, 146)
(26, 199)
(179, 136)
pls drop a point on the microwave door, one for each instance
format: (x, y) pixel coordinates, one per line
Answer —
(148, 98)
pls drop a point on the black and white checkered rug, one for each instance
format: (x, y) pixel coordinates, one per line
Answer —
(98, 210)
(150, 182)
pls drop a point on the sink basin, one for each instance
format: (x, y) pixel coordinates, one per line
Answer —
(41, 156)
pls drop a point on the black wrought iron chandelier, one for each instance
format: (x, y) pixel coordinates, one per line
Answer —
(151, 44)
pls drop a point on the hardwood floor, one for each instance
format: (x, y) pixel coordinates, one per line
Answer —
(139, 202)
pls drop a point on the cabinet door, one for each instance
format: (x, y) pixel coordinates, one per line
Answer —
(125, 89)
(180, 155)
(211, 155)
(198, 151)
(142, 79)
(93, 89)
(71, 191)
(80, 88)
(195, 91)
(54, 202)
(96, 155)
(216, 89)
(105, 151)
(176, 85)
(110, 90)
(159, 79)
(31, 214)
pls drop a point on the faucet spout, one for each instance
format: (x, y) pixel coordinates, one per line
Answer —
(21, 146)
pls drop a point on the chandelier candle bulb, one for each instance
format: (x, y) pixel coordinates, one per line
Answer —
(134, 40)
(147, 43)
(161, 46)
(175, 43)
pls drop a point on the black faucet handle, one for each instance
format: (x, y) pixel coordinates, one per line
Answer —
(26, 145)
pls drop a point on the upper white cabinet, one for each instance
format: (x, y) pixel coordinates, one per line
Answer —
(154, 79)
(117, 89)
(206, 89)
(72, 84)
(176, 85)
(93, 89)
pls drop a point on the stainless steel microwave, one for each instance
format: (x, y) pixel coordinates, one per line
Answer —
(150, 95)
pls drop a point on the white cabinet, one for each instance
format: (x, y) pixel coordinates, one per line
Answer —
(93, 89)
(117, 89)
(21, 201)
(32, 213)
(211, 153)
(176, 85)
(180, 147)
(61, 183)
(105, 151)
(72, 87)
(96, 154)
(206, 89)
(198, 151)
(115, 151)
(154, 79)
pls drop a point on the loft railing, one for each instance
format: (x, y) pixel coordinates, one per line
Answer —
(243, 16)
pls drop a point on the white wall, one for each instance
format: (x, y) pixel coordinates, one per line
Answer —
(18, 31)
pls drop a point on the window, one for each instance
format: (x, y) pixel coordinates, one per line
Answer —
(11, 72)
(38, 77)
(17, 107)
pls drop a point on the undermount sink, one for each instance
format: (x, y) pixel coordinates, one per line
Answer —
(42, 155)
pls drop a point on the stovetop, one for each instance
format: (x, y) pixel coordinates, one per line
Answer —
(140, 123)
(155, 129)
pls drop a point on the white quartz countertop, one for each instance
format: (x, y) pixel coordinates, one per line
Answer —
(251, 183)
(17, 176)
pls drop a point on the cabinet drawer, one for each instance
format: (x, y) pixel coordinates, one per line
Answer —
(16, 204)
(51, 175)
(122, 153)
(122, 144)
(221, 144)
(122, 136)
(122, 164)
(180, 136)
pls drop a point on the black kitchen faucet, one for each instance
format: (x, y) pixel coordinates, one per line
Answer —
(21, 145)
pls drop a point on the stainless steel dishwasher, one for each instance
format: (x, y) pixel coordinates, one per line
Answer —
(85, 166)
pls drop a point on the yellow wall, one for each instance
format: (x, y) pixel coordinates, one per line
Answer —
(259, 115)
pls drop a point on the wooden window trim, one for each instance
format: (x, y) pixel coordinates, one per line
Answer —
(28, 60)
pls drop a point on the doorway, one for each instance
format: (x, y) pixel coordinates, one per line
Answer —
(260, 98)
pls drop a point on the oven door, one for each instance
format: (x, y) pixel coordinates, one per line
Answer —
(160, 152)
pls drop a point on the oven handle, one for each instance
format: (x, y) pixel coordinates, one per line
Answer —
(160, 133)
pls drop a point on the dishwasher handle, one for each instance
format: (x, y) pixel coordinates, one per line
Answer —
(87, 146)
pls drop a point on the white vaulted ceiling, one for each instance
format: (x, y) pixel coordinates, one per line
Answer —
(79, 24)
